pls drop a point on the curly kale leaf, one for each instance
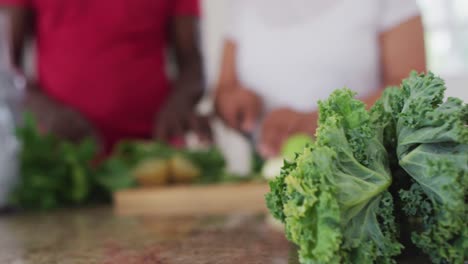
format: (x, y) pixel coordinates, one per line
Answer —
(276, 198)
(311, 210)
(410, 152)
(363, 177)
(432, 138)
(437, 197)
(334, 199)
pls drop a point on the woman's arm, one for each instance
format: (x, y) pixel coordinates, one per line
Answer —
(227, 75)
(402, 50)
(238, 106)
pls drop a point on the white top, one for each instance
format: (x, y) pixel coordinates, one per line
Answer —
(295, 52)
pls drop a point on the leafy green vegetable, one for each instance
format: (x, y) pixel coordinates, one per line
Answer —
(210, 162)
(56, 173)
(114, 175)
(402, 164)
(53, 173)
(334, 199)
(432, 148)
(362, 180)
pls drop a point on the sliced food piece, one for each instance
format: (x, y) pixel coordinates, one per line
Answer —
(152, 172)
(183, 170)
(272, 168)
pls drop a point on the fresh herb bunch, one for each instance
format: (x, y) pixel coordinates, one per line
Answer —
(403, 165)
(54, 173)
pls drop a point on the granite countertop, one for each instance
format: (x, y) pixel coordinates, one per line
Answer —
(98, 236)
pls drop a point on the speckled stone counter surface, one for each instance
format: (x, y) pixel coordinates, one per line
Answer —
(97, 236)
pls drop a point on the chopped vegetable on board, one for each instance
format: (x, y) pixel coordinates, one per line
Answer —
(55, 173)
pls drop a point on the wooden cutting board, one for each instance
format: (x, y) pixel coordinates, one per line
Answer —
(193, 200)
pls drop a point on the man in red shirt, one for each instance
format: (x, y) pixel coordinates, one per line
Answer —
(101, 66)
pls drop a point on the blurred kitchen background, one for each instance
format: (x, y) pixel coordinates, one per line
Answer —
(446, 25)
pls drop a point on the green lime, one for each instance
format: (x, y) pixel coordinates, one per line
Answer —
(295, 144)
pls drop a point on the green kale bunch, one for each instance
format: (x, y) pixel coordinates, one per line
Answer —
(432, 148)
(405, 161)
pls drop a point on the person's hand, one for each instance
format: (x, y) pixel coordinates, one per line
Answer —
(56, 118)
(239, 107)
(178, 116)
(279, 125)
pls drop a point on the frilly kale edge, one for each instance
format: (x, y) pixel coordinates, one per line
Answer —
(345, 198)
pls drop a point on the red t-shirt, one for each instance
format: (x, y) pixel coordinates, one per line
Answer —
(106, 58)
